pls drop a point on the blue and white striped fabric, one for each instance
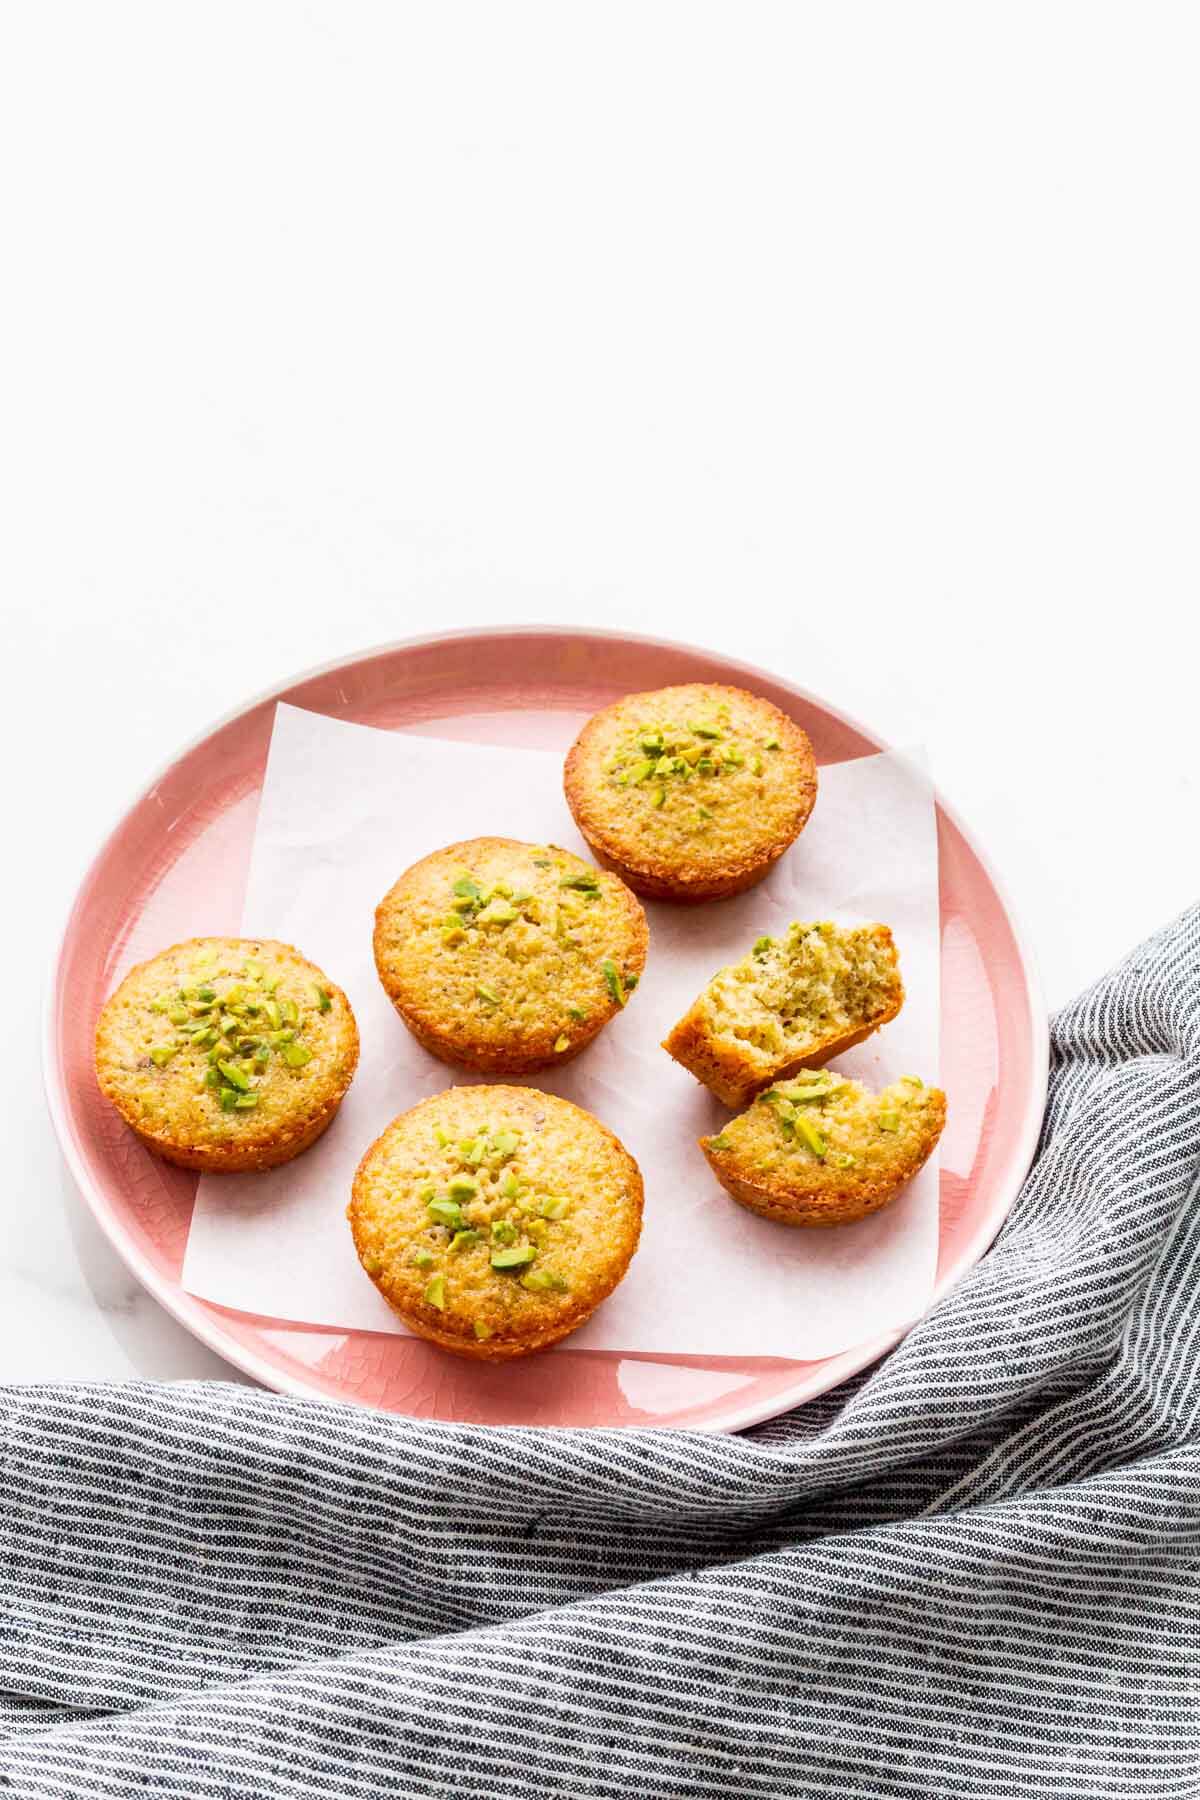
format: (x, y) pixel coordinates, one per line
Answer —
(973, 1572)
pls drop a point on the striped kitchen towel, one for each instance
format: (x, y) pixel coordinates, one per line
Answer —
(974, 1571)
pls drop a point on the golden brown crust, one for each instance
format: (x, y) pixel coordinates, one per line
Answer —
(552, 990)
(810, 1194)
(190, 1134)
(554, 1149)
(713, 863)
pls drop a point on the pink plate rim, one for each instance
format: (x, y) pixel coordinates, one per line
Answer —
(812, 1379)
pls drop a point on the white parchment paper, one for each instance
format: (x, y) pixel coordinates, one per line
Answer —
(344, 810)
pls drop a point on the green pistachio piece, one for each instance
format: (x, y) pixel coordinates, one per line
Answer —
(466, 889)
(179, 1015)
(253, 970)
(612, 980)
(652, 743)
(889, 1121)
(762, 945)
(482, 1332)
(555, 1207)
(705, 766)
(704, 728)
(510, 1187)
(374, 1264)
(295, 1055)
(453, 935)
(772, 743)
(841, 1159)
(660, 797)
(212, 1078)
(807, 1130)
(586, 882)
(577, 1012)
(441, 1136)
(427, 1193)
(517, 1257)
(913, 1081)
(463, 1187)
(161, 1054)
(562, 1042)
(274, 1016)
(423, 1259)
(506, 1143)
(245, 1102)
(321, 996)
(720, 1142)
(228, 1098)
(488, 995)
(461, 1239)
(498, 912)
(207, 994)
(234, 1076)
(435, 1293)
(503, 1232)
(474, 1154)
(542, 1281)
(542, 862)
(521, 898)
(290, 1012)
(640, 772)
(270, 983)
(445, 1212)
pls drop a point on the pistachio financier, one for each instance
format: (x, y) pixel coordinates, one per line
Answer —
(496, 1219)
(226, 1054)
(691, 792)
(822, 1149)
(797, 999)
(508, 957)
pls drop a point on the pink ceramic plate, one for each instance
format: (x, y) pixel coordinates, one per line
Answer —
(175, 866)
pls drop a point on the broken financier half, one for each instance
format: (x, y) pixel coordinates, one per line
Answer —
(824, 1150)
(795, 1000)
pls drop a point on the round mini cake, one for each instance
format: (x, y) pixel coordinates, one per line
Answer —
(225, 1054)
(691, 792)
(496, 1219)
(507, 957)
(822, 1149)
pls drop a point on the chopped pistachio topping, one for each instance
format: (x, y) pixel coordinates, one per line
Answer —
(423, 1258)
(488, 995)
(586, 882)
(461, 1239)
(295, 1055)
(321, 996)
(613, 981)
(554, 1207)
(506, 1143)
(561, 1043)
(516, 1257)
(445, 1212)
(577, 1012)
(542, 1281)
(720, 1142)
(762, 945)
(435, 1293)
(482, 1330)
(841, 1159)
(503, 1232)
(161, 1054)
(374, 1264)
(463, 1187)
(889, 1121)
(807, 1130)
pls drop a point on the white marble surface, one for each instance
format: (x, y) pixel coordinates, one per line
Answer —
(858, 342)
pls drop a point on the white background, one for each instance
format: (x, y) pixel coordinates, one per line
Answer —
(858, 340)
